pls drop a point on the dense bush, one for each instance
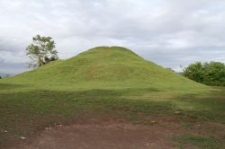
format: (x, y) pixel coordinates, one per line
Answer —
(209, 73)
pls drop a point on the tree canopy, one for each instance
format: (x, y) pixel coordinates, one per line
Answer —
(41, 51)
(209, 73)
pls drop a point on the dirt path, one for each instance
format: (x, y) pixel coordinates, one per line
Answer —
(110, 136)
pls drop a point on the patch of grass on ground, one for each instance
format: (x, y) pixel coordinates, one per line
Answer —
(200, 142)
(25, 110)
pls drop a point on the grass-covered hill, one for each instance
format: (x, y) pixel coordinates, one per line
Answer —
(105, 67)
(110, 85)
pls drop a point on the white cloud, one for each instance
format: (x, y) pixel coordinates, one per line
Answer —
(12, 57)
(169, 32)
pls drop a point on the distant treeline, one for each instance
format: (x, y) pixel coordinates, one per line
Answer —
(209, 73)
(4, 76)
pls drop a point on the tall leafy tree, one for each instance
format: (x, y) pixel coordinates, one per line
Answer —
(41, 51)
(210, 73)
(195, 72)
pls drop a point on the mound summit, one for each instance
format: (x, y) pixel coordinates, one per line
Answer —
(106, 67)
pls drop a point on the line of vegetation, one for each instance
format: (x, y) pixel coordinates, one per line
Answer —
(209, 73)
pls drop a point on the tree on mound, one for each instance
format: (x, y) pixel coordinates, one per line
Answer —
(41, 51)
(209, 73)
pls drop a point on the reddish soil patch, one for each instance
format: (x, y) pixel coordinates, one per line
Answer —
(99, 132)
(110, 136)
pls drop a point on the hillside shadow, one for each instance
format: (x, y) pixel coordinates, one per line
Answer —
(9, 86)
(116, 92)
(28, 112)
(205, 107)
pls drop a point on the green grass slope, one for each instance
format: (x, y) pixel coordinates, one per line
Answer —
(111, 84)
(106, 67)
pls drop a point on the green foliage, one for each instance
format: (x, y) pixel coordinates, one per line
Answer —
(41, 51)
(209, 73)
(0, 77)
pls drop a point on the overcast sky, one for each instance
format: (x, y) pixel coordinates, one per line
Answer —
(171, 33)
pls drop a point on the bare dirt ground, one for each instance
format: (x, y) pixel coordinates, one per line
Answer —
(114, 134)
(103, 136)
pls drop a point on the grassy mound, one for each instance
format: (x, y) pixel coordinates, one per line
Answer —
(106, 67)
(111, 84)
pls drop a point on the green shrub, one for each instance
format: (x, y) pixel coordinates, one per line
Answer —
(209, 73)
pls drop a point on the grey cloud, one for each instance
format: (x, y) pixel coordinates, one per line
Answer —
(169, 32)
(12, 68)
